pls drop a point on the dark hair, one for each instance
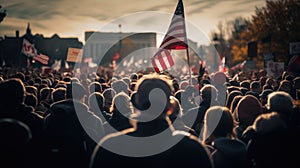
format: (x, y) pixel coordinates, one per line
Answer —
(145, 85)
(120, 86)
(108, 95)
(44, 93)
(31, 89)
(12, 92)
(96, 100)
(58, 94)
(19, 75)
(95, 87)
(209, 92)
(255, 85)
(231, 97)
(31, 100)
(75, 91)
(235, 102)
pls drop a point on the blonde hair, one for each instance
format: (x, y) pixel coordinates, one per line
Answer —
(218, 122)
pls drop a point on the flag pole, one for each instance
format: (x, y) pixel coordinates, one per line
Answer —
(187, 51)
(189, 65)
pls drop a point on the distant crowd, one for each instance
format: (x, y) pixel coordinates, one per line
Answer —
(63, 119)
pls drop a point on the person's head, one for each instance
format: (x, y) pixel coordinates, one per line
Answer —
(175, 110)
(266, 86)
(244, 90)
(270, 82)
(152, 96)
(44, 92)
(95, 87)
(247, 110)
(121, 105)
(219, 78)
(67, 79)
(12, 92)
(296, 83)
(264, 96)
(31, 89)
(269, 122)
(235, 102)
(218, 122)
(126, 80)
(231, 96)
(245, 84)
(255, 86)
(183, 84)
(178, 95)
(96, 102)
(285, 86)
(60, 85)
(175, 85)
(108, 95)
(263, 80)
(76, 91)
(280, 102)
(234, 83)
(120, 86)
(58, 94)
(133, 77)
(230, 89)
(209, 92)
(19, 75)
(31, 100)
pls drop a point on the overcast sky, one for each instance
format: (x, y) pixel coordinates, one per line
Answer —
(71, 18)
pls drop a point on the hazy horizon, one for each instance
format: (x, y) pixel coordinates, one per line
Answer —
(73, 18)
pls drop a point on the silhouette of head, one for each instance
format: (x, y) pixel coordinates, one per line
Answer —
(12, 92)
(144, 97)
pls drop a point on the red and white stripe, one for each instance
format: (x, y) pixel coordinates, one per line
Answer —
(162, 60)
(28, 49)
(175, 39)
(176, 35)
(41, 58)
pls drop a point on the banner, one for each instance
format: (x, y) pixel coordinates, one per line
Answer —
(28, 49)
(74, 55)
(275, 69)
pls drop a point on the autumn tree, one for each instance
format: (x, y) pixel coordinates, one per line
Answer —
(273, 27)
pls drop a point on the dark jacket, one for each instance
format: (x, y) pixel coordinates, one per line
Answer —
(274, 149)
(34, 150)
(26, 115)
(229, 153)
(72, 132)
(186, 152)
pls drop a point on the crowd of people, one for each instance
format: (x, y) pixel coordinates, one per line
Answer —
(62, 119)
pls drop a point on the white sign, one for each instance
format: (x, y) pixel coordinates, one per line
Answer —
(74, 55)
(275, 69)
(295, 48)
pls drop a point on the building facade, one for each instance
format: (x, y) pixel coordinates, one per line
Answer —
(103, 47)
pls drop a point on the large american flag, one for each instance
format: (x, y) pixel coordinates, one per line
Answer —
(175, 39)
